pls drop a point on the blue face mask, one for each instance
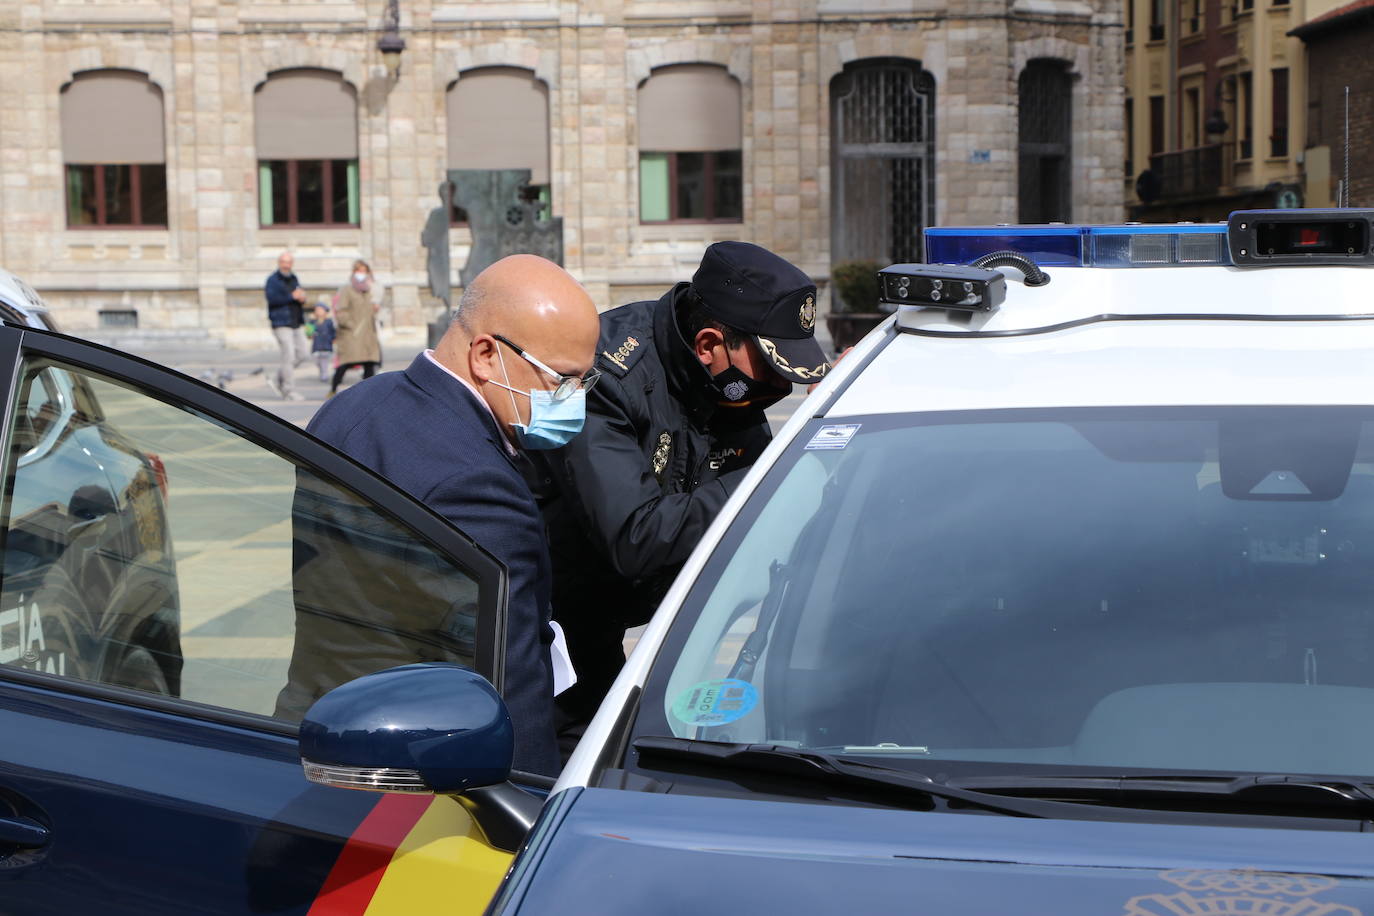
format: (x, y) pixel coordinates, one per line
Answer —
(552, 423)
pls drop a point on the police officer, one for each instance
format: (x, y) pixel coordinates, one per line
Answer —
(675, 423)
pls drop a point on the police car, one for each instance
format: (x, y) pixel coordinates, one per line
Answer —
(1058, 595)
(1054, 596)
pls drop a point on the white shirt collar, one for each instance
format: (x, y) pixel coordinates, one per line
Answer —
(429, 354)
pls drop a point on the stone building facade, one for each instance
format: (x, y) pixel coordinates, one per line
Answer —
(977, 123)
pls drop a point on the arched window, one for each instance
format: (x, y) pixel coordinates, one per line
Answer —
(1045, 142)
(498, 118)
(882, 123)
(114, 150)
(307, 139)
(691, 161)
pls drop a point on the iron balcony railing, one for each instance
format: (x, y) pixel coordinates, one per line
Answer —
(1201, 171)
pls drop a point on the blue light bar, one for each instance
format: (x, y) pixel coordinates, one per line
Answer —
(1048, 246)
(1084, 246)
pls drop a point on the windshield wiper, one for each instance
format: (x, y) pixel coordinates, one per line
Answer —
(1308, 792)
(832, 770)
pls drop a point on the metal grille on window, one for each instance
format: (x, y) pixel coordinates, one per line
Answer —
(883, 124)
(1045, 135)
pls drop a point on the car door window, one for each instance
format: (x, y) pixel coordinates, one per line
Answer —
(43, 400)
(152, 546)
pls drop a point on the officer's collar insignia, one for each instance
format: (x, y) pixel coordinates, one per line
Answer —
(807, 317)
(623, 356)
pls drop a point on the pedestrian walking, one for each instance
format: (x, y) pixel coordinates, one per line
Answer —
(322, 333)
(355, 321)
(287, 317)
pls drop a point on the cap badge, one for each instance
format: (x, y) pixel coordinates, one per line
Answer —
(808, 314)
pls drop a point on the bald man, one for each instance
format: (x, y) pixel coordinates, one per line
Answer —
(509, 374)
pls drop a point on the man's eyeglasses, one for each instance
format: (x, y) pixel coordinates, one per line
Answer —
(567, 384)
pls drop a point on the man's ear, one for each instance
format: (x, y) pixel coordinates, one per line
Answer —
(482, 358)
(705, 343)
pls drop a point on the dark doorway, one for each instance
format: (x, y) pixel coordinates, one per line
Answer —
(1045, 138)
(882, 124)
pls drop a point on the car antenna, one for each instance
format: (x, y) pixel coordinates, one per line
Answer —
(1345, 184)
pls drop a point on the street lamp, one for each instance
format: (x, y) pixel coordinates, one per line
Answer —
(1215, 126)
(391, 44)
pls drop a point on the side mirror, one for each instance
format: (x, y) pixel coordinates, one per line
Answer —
(430, 727)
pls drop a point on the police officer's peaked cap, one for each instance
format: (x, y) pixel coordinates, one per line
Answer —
(754, 291)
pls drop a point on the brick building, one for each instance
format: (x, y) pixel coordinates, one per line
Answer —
(1338, 56)
(156, 155)
(1215, 108)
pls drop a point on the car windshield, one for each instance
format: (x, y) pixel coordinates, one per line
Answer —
(1180, 589)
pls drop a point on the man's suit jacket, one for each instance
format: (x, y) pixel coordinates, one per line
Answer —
(426, 432)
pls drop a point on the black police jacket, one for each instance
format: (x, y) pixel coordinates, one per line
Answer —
(627, 500)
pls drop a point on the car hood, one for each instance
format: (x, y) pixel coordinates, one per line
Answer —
(620, 851)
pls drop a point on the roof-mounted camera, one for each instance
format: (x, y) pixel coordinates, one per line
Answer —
(965, 289)
(1287, 237)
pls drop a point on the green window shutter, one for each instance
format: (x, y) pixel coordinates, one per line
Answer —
(264, 194)
(653, 187)
(354, 204)
(75, 216)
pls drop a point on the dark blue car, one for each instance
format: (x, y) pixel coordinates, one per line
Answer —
(164, 545)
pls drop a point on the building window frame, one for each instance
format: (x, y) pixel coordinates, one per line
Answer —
(1245, 112)
(1192, 18)
(710, 188)
(1157, 125)
(267, 195)
(1191, 134)
(1130, 137)
(1278, 114)
(99, 187)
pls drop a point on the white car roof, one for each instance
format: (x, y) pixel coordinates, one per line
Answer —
(1289, 335)
(17, 294)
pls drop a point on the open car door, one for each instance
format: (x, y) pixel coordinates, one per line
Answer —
(183, 575)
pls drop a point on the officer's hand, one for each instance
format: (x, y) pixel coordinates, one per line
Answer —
(833, 363)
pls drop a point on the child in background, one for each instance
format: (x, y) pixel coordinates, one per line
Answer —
(320, 328)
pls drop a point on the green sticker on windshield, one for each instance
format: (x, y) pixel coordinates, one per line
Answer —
(717, 702)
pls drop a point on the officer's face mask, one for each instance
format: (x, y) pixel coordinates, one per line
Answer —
(735, 388)
(553, 423)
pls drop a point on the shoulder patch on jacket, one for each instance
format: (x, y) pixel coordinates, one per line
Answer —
(625, 354)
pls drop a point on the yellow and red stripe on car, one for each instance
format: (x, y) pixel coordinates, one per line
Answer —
(413, 854)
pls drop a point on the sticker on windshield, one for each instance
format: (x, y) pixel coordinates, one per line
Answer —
(834, 436)
(717, 702)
